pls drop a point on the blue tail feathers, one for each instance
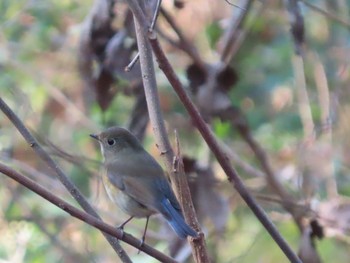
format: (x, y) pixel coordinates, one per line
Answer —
(176, 220)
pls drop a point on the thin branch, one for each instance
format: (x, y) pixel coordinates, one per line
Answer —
(303, 97)
(296, 21)
(327, 14)
(155, 16)
(132, 63)
(155, 114)
(184, 44)
(85, 217)
(233, 32)
(246, 167)
(198, 245)
(243, 32)
(218, 152)
(271, 178)
(327, 135)
(72, 189)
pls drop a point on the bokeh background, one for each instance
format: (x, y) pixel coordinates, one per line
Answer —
(63, 79)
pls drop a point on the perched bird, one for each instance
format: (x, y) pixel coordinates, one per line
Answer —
(136, 182)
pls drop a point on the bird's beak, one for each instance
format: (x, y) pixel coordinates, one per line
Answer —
(96, 137)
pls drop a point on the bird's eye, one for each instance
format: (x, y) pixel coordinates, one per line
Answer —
(111, 142)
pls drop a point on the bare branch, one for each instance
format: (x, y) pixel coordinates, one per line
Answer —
(155, 114)
(72, 189)
(218, 152)
(183, 192)
(233, 32)
(85, 217)
(183, 43)
(297, 25)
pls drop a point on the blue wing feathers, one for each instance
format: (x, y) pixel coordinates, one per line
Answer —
(176, 221)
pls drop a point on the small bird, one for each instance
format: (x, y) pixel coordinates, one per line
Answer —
(136, 182)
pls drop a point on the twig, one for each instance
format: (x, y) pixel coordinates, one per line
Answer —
(327, 136)
(271, 178)
(243, 32)
(233, 32)
(198, 245)
(151, 28)
(184, 44)
(234, 5)
(132, 63)
(296, 21)
(209, 137)
(327, 14)
(155, 16)
(72, 189)
(246, 167)
(87, 218)
(153, 105)
(303, 97)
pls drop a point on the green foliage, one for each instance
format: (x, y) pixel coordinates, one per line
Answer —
(213, 32)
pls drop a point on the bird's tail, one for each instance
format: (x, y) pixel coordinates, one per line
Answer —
(176, 220)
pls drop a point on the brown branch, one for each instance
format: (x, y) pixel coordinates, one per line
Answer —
(235, 158)
(233, 32)
(327, 135)
(69, 185)
(85, 217)
(183, 191)
(212, 142)
(271, 178)
(243, 32)
(184, 44)
(155, 114)
(296, 21)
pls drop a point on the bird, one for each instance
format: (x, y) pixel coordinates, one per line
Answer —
(135, 181)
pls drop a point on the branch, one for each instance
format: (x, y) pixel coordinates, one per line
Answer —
(184, 44)
(72, 189)
(156, 118)
(327, 135)
(233, 32)
(297, 25)
(246, 167)
(85, 217)
(183, 191)
(212, 142)
(271, 178)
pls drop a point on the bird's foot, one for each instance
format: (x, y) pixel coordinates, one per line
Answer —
(142, 242)
(121, 229)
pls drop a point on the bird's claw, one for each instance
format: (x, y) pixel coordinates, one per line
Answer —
(121, 229)
(141, 244)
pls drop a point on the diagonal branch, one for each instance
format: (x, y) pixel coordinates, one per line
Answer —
(199, 251)
(183, 43)
(233, 32)
(72, 189)
(87, 218)
(156, 118)
(212, 142)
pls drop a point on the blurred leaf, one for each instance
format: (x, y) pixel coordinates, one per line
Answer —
(213, 32)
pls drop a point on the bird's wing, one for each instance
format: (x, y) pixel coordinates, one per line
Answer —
(133, 187)
(116, 180)
(143, 179)
(166, 189)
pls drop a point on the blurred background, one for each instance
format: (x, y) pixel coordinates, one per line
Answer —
(277, 99)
